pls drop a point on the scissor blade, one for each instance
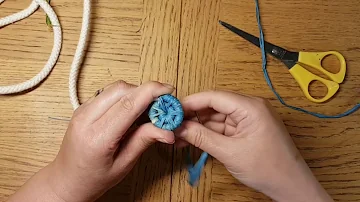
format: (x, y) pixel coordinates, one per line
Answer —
(289, 58)
(251, 38)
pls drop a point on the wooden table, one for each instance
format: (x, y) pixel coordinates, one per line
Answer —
(180, 42)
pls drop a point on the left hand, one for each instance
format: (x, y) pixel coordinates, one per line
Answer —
(97, 153)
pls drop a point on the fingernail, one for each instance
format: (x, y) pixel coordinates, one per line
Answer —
(168, 86)
(163, 140)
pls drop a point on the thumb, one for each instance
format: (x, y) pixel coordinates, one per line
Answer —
(146, 135)
(210, 141)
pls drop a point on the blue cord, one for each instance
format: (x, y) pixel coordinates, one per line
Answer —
(196, 170)
(268, 81)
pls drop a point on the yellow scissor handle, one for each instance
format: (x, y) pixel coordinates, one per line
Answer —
(304, 78)
(314, 59)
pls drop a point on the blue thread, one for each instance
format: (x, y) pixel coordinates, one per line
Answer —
(268, 81)
(196, 170)
(166, 113)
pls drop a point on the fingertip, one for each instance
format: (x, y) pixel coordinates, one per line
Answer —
(157, 134)
(157, 88)
(206, 139)
(195, 102)
(183, 130)
(169, 86)
(167, 138)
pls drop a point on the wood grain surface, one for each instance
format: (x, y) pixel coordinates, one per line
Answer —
(180, 42)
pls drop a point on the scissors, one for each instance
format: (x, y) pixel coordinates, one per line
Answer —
(293, 61)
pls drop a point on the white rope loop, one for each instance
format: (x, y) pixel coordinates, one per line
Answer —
(54, 53)
(79, 55)
(20, 15)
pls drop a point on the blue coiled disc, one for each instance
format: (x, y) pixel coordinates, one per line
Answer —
(166, 112)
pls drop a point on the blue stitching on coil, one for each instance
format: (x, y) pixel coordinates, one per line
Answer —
(166, 112)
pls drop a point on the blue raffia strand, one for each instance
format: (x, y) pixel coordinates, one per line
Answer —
(166, 113)
(196, 170)
(268, 81)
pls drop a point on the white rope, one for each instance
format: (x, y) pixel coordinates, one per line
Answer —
(20, 15)
(54, 53)
(79, 55)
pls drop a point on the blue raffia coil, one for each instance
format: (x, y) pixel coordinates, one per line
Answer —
(166, 112)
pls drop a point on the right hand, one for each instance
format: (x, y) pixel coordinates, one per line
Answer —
(249, 138)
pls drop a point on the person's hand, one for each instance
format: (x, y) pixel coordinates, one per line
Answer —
(97, 152)
(249, 138)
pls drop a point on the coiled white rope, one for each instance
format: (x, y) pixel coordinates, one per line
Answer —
(54, 53)
(79, 55)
